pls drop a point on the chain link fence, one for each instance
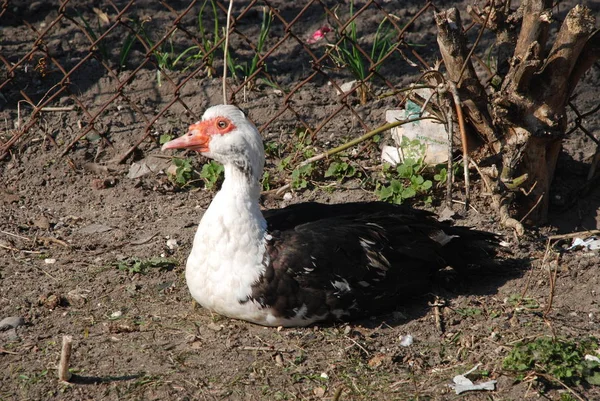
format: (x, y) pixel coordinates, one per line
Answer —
(72, 56)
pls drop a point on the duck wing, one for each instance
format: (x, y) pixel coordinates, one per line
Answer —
(350, 260)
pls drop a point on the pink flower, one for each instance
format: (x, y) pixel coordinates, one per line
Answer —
(318, 35)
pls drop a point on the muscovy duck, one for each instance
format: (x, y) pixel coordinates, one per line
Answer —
(308, 262)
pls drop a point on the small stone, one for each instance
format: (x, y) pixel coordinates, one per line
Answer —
(11, 322)
(51, 301)
(116, 314)
(214, 327)
(75, 299)
(319, 391)
(287, 196)
(172, 244)
(406, 340)
(49, 261)
(42, 222)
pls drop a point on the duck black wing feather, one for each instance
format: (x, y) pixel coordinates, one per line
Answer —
(351, 260)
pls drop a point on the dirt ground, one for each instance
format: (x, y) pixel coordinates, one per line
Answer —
(67, 223)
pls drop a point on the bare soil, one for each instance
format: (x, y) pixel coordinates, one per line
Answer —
(66, 223)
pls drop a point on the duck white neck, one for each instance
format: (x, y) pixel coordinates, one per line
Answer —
(229, 246)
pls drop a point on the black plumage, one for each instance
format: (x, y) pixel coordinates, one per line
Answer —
(355, 259)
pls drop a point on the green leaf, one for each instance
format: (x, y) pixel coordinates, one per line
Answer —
(408, 192)
(164, 138)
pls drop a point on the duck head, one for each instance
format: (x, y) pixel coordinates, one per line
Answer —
(227, 136)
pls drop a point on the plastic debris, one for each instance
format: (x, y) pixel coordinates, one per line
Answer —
(49, 261)
(590, 243)
(407, 340)
(346, 87)
(430, 133)
(592, 358)
(462, 383)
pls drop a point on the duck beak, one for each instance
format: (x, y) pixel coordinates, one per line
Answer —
(196, 139)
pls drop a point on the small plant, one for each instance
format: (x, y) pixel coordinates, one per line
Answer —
(183, 172)
(561, 359)
(266, 181)
(301, 176)
(205, 51)
(136, 265)
(92, 33)
(164, 138)
(340, 170)
(247, 69)
(212, 173)
(346, 53)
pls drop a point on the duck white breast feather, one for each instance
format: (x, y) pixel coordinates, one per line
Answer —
(308, 262)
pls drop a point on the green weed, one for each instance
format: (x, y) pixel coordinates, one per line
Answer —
(561, 359)
(183, 173)
(347, 55)
(88, 28)
(266, 181)
(207, 44)
(340, 170)
(164, 138)
(212, 173)
(247, 69)
(136, 265)
(301, 176)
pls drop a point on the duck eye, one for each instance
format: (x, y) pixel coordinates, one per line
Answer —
(222, 124)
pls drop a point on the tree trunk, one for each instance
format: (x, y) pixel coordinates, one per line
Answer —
(522, 119)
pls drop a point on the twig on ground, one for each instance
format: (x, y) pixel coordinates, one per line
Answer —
(436, 305)
(56, 109)
(574, 235)
(569, 389)
(5, 351)
(338, 394)
(15, 235)
(552, 275)
(358, 140)
(265, 349)
(65, 356)
(10, 248)
(463, 137)
(449, 170)
(358, 345)
(532, 208)
(55, 240)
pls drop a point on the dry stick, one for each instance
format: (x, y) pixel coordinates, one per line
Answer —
(552, 276)
(10, 248)
(15, 235)
(573, 235)
(338, 394)
(449, 169)
(225, 50)
(65, 355)
(463, 138)
(551, 378)
(468, 58)
(366, 136)
(532, 208)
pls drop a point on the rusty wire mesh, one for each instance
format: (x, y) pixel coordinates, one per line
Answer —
(64, 47)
